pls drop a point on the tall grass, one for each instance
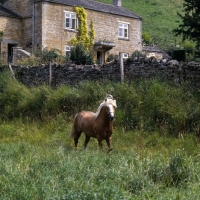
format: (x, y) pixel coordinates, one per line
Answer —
(37, 159)
(54, 171)
(144, 105)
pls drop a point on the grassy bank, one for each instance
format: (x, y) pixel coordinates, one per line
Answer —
(38, 161)
(156, 150)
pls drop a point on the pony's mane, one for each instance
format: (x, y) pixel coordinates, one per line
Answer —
(105, 102)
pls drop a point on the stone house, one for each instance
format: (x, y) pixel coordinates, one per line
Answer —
(53, 23)
(154, 51)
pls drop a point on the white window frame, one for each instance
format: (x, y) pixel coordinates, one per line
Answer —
(123, 29)
(125, 55)
(67, 50)
(71, 20)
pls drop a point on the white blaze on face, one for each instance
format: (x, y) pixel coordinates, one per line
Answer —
(111, 110)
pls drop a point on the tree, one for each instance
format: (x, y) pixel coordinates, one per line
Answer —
(146, 38)
(84, 36)
(190, 27)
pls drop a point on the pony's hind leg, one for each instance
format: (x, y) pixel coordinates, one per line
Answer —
(87, 139)
(78, 134)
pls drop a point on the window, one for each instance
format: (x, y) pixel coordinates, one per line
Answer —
(71, 22)
(67, 51)
(123, 30)
(125, 55)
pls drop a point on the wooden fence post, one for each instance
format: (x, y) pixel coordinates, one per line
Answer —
(121, 62)
(50, 73)
(12, 72)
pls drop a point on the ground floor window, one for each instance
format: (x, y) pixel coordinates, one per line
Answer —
(125, 55)
(67, 51)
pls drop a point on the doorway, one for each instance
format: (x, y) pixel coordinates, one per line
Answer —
(10, 51)
(100, 57)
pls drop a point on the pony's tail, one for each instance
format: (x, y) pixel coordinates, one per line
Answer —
(72, 134)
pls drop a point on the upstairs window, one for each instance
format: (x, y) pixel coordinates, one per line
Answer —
(71, 22)
(123, 30)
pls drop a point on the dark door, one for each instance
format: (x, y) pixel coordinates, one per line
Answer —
(10, 51)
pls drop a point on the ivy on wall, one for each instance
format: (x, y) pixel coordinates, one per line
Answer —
(84, 36)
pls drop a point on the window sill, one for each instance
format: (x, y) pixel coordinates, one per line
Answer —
(71, 30)
(125, 39)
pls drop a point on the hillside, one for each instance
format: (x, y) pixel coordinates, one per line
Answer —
(159, 18)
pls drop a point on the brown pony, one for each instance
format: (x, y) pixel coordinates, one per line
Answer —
(98, 125)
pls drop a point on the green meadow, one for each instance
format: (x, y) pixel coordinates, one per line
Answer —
(155, 141)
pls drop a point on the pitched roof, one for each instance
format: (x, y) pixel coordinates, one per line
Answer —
(7, 13)
(152, 48)
(98, 6)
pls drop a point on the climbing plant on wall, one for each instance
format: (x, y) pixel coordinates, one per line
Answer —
(85, 37)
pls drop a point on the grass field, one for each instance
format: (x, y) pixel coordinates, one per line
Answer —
(38, 161)
(155, 141)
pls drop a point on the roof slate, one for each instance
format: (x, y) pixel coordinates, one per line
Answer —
(7, 13)
(98, 6)
(153, 48)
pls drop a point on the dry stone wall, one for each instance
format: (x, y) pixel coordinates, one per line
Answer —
(71, 74)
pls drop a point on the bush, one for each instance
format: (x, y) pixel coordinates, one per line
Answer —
(30, 61)
(80, 55)
(112, 57)
(43, 56)
(47, 54)
(143, 105)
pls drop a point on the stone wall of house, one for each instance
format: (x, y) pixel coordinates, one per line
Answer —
(27, 34)
(38, 24)
(106, 28)
(19, 54)
(22, 8)
(17, 30)
(12, 28)
(170, 70)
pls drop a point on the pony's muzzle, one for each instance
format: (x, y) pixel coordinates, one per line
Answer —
(111, 116)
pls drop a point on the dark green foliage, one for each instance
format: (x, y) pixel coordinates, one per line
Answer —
(143, 105)
(112, 57)
(175, 173)
(146, 38)
(80, 55)
(1, 34)
(47, 55)
(190, 27)
(179, 55)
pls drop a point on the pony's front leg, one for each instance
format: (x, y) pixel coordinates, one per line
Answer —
(100, 144)
(87, 139)
(109, 143)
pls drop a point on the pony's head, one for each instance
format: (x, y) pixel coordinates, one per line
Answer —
(110, 104)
